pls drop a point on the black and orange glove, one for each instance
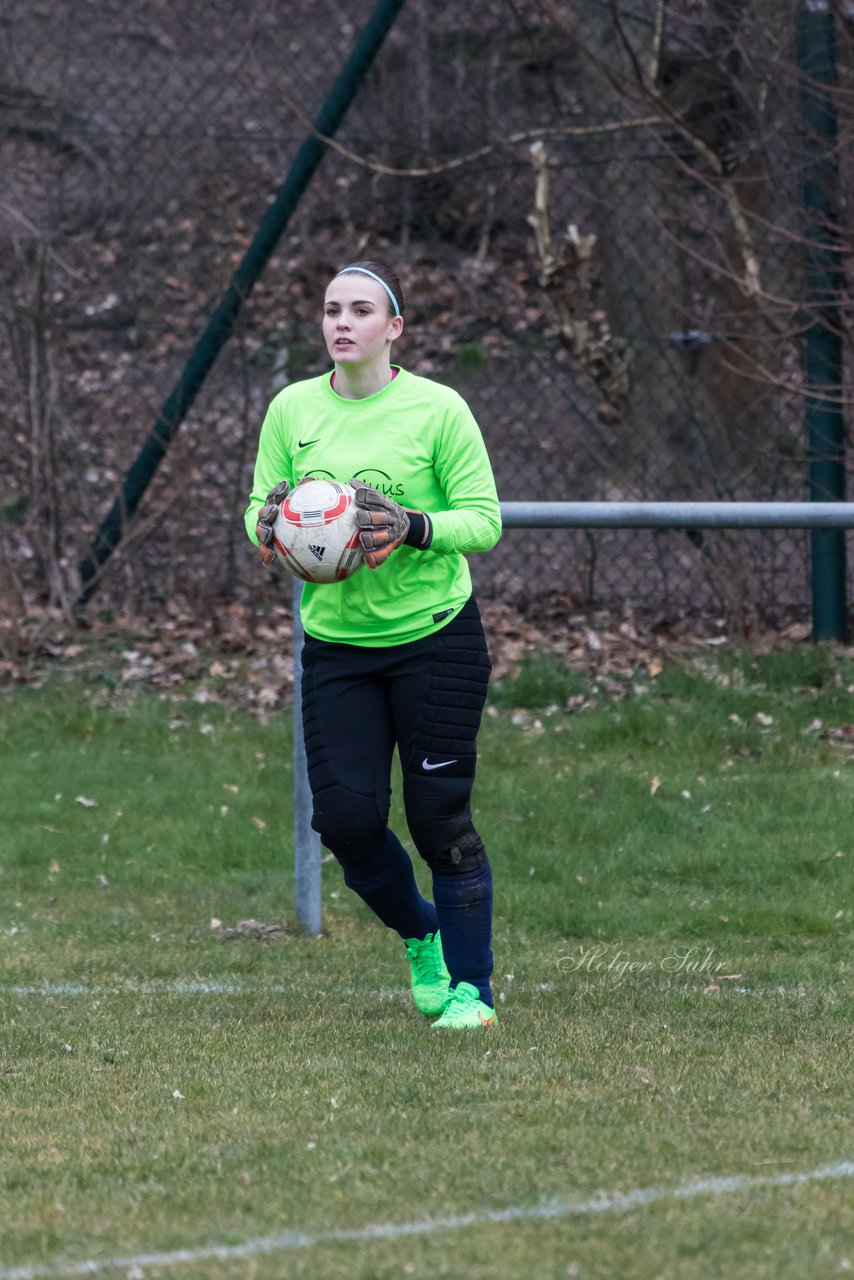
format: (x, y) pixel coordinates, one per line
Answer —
(269, 511)
(267, 519)
(384, 525)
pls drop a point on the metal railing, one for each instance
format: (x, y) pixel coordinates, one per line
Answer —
(677, 515)
(549, 515)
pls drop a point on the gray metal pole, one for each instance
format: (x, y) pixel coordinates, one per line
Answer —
(306, 840)
(678, 515)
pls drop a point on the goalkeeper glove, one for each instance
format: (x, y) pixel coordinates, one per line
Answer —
(267, 519)
(385, 525)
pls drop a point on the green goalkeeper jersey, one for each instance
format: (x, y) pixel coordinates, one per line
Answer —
(416, 441)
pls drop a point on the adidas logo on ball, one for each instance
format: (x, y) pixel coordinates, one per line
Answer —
(316, 535)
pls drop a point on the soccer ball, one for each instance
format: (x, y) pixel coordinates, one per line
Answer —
(315, 534)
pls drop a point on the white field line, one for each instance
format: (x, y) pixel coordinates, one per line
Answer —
(229, 987)
(179, 987)
(550, 1210)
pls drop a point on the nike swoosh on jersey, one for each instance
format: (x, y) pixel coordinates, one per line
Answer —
(443, 764)
(303, 444)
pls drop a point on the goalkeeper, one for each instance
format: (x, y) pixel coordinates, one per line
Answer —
(394, 656)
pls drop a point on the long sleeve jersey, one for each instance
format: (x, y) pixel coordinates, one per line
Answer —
(416, 441)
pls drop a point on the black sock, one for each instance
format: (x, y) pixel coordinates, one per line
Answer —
(464, 909)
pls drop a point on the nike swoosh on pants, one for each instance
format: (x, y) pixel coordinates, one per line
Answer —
(443, 764)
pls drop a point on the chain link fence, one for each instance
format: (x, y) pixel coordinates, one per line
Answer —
(599, 229)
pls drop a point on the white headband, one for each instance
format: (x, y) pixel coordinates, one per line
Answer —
(365, 272)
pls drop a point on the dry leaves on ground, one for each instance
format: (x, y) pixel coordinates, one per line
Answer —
(254, 930)
(235, 656)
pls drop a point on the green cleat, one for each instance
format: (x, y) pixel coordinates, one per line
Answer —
(466, 1009)
(430, 978)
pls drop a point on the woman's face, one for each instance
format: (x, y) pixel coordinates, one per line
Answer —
(357, 327)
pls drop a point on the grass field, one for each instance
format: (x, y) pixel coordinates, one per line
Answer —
(673, 927)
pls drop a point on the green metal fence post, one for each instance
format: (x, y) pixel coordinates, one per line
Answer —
(823, 339)
(221, 323)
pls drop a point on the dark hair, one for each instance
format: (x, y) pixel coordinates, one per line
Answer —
(387, 276)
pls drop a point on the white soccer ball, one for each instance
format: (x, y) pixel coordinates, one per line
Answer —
(315, 534)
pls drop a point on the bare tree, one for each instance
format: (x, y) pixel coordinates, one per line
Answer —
(26, 317)
(680, 285)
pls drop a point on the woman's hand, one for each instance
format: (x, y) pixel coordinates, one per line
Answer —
(384, 524)
(267, 519)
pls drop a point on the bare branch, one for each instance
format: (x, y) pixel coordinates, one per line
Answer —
(752, 282)
(657, 36)
(567, 276)
(616, 17)
(41, 237)
(460, 162)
